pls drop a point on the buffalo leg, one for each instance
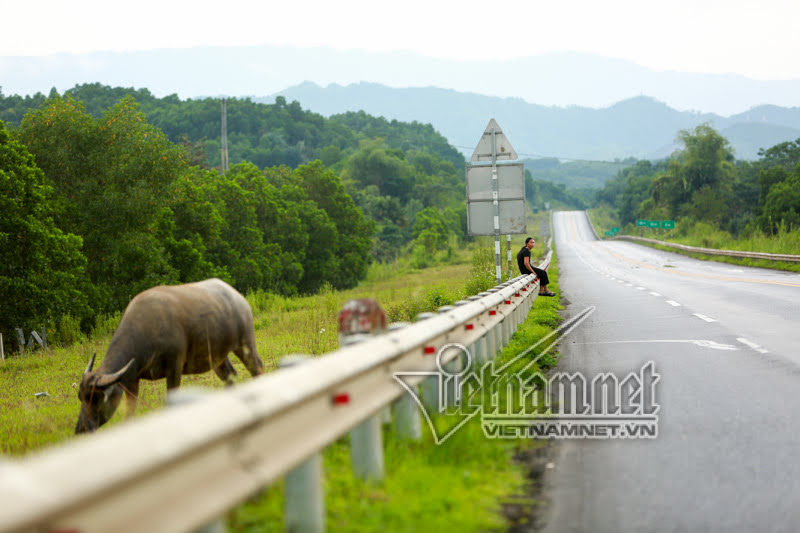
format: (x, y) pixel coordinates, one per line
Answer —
(131, 397)
(173, 380)
(225, 371)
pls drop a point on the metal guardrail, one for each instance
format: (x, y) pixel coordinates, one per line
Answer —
(183, 467)
(696, 249)
(713, 251)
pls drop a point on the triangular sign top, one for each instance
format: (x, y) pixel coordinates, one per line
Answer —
(483, 152)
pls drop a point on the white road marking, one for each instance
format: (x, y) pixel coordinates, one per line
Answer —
(704, 317)
(655, 294)
(752, 345)
(639, 288)
(629, 284)
(703, 343)
(673, 303)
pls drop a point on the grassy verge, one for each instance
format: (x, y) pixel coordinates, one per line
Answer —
(603, 219)
(705, 236)
(459, 485)
(284, 325)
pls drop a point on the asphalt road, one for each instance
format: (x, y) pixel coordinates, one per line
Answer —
(724, 340)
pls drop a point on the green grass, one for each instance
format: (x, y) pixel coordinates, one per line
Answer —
(456, 486)
(459, 485)
(603, 219)
(704, 235)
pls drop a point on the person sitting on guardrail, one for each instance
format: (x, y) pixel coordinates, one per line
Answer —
(525, 267)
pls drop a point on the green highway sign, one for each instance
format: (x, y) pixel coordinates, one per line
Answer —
(609, 233)
(642, 222)
(655, 224)
(668, 224)
(614, 230)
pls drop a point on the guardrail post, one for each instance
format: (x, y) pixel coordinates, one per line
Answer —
(407, 422)
(497, 331)
(304, 499)
(465, 360)
(480, 345)
(429, 386)
(453, 367)
(357, 319)
(185, 396)
(490, 342)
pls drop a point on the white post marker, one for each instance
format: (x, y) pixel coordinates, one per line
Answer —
(508, 247)
(358, 319)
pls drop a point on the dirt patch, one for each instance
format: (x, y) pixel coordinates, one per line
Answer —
(526, 512)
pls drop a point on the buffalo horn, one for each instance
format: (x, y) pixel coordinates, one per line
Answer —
(91, 363)
(109, 379)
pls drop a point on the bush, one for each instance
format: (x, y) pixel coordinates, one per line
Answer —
(106, 325)
(67, 331)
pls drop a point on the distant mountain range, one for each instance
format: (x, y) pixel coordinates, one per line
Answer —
(552, 79)
(640, 127)
(566, 104)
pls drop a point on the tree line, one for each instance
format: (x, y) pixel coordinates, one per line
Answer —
(99, 202)
(705, 183)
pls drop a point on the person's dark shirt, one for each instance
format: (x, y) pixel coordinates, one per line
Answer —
(521, 260)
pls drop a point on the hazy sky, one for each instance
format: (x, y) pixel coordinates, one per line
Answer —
(755, 38)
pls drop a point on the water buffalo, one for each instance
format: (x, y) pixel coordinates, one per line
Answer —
(166, 332)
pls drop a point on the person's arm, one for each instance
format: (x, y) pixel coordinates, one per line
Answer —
(528, 264)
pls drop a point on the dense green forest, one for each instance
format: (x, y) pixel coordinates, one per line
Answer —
(704, 184)
(108, 191)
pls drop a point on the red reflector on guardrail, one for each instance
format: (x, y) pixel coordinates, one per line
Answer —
(492, 312)
(469, 326)
(508, 302)
(341, 398)
(430, 349)
(524, 289)
(516, 294)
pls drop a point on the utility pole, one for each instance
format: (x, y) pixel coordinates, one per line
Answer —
(224, 137)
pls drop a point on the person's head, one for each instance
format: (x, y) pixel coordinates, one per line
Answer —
(529, 242)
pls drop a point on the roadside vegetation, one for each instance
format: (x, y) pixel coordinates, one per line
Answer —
(704, 236)
(464, 483)
(715, 200)
(106, 192)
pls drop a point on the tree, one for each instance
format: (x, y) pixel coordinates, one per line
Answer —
(785, 154)
(782, 205)
(431, 230)
(705, 162)
(42, 271)
(112, 177)
(352, 249)
(384, 168)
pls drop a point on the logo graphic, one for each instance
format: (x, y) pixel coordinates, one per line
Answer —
(515, 401)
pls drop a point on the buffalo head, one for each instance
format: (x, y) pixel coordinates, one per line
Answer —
(100, 394)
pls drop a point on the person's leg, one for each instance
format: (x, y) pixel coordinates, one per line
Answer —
(544, 280)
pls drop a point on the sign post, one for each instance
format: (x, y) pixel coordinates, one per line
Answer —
(502, 184)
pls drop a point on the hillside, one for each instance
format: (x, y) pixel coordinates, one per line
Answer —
(639, 127)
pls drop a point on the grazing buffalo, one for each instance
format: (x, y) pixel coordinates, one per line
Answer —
(166, 332)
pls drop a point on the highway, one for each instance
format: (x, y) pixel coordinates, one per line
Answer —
(724, 340)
